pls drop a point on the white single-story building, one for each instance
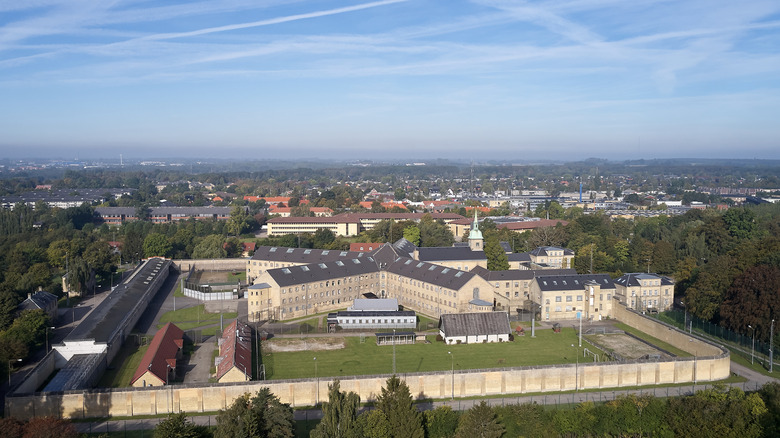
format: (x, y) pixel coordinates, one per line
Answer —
(471, 328)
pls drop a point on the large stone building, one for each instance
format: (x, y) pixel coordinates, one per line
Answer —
(645, 292)
(346, 224)
(586, 296)
(293, 282)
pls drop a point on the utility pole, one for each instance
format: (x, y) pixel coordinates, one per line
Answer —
(771, 348)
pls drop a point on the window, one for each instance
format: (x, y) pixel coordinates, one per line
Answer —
(568, 299)
(557, 308)
(579, 297)
(558, 299)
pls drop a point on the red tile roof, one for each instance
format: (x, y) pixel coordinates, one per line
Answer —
(364, 247)
(235, 349)
(161, 353)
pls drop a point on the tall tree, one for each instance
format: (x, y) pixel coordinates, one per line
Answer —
(339, 415)
(441, 422)
(177, 426)
(479, 421)
(157, 245)
(261, 416)
(497, 259)
(395, 402)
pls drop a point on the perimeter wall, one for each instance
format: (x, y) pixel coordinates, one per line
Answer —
(710, 363)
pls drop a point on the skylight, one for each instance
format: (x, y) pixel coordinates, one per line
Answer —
(339, 262)
(305, 268)
(285, 270)
(272, 249)
(343, 254)
(445, 270)
(308, 251)
(459, 273)
(323, 266)
(325, 252)
(289, 250)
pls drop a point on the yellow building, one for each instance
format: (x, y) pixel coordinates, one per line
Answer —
(646, 292)
(562, 297)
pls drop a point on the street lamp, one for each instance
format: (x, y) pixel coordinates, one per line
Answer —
(47, 337)
(393, 351)
(452, 359)
(9, 371)
(753, 346)
(317, 396)
(577, 370)
(771, 351)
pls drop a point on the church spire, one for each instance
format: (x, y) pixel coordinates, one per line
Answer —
(475, 235)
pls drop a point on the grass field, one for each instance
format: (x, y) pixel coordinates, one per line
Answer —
(195, 314)
(129, 358)
(547, 348)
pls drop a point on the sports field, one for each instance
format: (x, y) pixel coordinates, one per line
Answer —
(357, 358)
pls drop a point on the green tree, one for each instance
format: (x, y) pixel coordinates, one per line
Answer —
(239, 221)
(374, 424)
(497, 259)
(339, 415)
(210, 247)
(261, 416)
(132, 246)
(479, 421)
(177, 426)
(441, 422)
(323, 237)
(412, 234)
(157, 245)
(395, 402)
(99, 257)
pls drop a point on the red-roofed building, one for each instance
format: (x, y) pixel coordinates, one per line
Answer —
(387, 205)
(530, 225)
(234, 363)
(364, 247)
(248, 248)
(159, 362)
(286, 211)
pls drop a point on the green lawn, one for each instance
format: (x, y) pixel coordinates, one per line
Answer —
(237, 276)
(196, 314)
(360, 359)
(129, 358)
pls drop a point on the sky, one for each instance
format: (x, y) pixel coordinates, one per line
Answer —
(478, 79)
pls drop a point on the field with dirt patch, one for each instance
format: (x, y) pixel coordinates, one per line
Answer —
(625, 345)
(216, 277)
(308, 344)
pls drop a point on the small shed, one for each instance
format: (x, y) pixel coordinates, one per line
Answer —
(395, 338)
(470, 328)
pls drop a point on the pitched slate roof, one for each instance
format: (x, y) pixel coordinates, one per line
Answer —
(515, 274)
(301, 255)
(519, 257)
(471, 324)
(161, 353)
(544, 250)
(430, 273)
(573, 282)
(634, 279)
(404, 247)
(39, 300)
(323, 271)
(235, 349)
(449, 253)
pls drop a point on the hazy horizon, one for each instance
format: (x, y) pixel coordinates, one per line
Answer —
(491, 79)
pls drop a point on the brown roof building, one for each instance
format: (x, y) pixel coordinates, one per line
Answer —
(160, 359)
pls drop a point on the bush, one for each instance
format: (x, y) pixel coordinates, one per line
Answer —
(439, 338)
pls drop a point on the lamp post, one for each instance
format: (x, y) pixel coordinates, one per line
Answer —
(9, 371)
(753, 346)
(771, 350)
(317, 395)
(47, 338)
(577, 370)
(393, 351)
(169, 392)
(452, 359)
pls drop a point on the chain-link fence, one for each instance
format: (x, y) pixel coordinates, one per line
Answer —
(747, 343)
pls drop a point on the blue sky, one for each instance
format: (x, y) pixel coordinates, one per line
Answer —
(391, 78)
